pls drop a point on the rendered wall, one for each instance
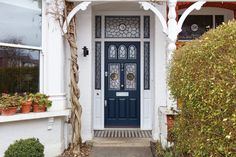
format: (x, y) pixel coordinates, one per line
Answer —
(84, 31)
(49, 131)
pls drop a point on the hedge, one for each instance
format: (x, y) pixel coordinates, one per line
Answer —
(203, 75)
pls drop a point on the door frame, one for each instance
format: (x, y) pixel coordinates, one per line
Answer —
(145, 95)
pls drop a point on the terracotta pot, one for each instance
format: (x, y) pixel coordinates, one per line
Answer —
(0, 111)
(9, 111)
(26, 107)
(37, 108)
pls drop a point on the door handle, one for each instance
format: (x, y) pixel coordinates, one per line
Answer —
(105, 103)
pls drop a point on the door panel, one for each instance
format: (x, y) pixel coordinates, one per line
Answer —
(122, 84)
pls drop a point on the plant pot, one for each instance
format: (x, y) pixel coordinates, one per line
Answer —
(0, 111)
(9, 111)
(26, 107)
(37, 108)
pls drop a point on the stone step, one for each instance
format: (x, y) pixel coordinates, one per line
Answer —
(121, 142)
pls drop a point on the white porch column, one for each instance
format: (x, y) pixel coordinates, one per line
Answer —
(54, 56)
(171, 47)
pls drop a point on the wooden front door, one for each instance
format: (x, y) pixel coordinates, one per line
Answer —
(122, 84)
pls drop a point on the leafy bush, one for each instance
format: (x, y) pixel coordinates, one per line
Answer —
(25, 148)
(203, 76)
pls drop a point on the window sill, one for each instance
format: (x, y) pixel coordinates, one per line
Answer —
(32, 115)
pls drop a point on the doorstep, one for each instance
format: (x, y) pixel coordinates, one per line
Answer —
(32, 115)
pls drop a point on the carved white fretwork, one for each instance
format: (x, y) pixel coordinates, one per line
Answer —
(172, 28)
(81, 6)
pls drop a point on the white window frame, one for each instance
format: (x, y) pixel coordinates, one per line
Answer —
(37, 48)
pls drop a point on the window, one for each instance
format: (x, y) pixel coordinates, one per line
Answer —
(195, 25)
(20, 45)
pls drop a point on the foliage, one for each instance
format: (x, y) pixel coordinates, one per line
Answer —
(168, 152)
(25, 98)
(30, 147)
(7, 101)
(13, 79)
(203, 75)
(40, 99)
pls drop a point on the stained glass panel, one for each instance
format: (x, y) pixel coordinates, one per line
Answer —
(122, 52)
(132, 52)
(195, 25)
(98, 65)
(114, 76)
(112, 52)
(130, 76)
(122, 27)
(98, 26)
(146, 27)
(146, 65)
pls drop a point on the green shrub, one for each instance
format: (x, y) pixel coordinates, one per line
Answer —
(25, 148)
(203, 75)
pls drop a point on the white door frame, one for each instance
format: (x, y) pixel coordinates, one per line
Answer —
(146, 95)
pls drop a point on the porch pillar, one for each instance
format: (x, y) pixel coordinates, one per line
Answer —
(54, 76)
(171, 47)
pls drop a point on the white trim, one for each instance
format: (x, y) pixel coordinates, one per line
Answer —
(194, 6)
(81, 6)
(144, 94)
(147, 6)
(32, 115)
(20, 46)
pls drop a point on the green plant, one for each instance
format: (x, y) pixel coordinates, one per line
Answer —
(203, 75)
(25, 98)
(161, 152)
(7, 101)
(40, 99)
(30, 147)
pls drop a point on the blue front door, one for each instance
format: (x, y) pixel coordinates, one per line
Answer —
(122, 84)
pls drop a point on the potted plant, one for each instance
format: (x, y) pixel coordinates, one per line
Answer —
(9, 104)
(26, 103)
(40, 102)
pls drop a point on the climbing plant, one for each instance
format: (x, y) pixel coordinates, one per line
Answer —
(70, 36)
(203, 75)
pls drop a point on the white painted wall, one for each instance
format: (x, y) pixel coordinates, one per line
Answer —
(52, 139)
(84, 31)
(160, 58)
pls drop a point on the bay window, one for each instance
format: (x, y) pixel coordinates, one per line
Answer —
(20, 45)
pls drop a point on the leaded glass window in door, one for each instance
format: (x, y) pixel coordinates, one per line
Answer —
(114, 76)
(98, 26)
(130, 76)
(98, 65)
(132, 52)
(122, 52)
(122, 27)
(146, 27)
(146, 65)
(112, 52)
